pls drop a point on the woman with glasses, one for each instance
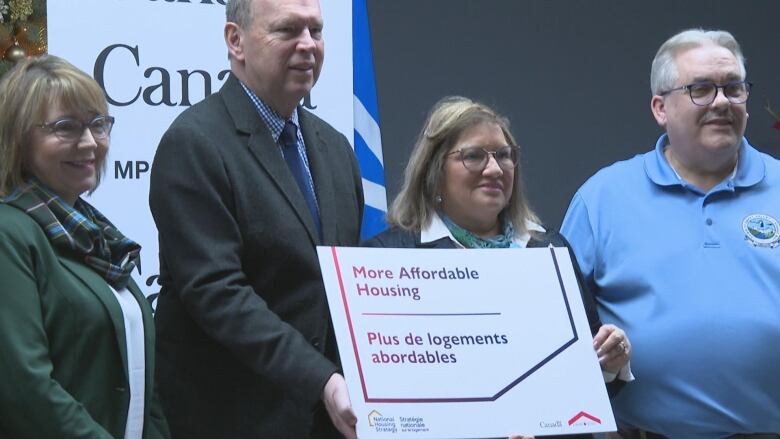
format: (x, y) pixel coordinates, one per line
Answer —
(76, 333)
(462, 189)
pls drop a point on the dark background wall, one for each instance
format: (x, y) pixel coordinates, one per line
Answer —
(572, 76)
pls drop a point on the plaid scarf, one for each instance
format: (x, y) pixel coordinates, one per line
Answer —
(470, 240)
(80, 230)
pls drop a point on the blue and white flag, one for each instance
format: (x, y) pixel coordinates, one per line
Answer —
(368, 142)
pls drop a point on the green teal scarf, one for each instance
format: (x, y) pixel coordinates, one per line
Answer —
(470, 240)
(80, 230)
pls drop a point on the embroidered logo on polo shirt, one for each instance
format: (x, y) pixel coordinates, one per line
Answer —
(761, 230)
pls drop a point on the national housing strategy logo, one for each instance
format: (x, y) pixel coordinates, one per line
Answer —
(389, 424)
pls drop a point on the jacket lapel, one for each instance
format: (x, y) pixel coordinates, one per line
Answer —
(98, 286)
(264, 148)
(321, 169)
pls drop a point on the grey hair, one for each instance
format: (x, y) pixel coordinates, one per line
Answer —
(239, 12)
(416, 203)
(663, 73)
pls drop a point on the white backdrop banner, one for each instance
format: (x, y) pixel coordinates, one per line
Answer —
(155, 58)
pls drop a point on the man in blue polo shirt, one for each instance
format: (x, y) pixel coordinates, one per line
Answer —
(681, 246)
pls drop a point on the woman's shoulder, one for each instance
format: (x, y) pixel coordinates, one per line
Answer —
(394, 237)
(21, 235)
(15, 222)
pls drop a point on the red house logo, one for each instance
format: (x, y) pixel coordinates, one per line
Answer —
(585, 415)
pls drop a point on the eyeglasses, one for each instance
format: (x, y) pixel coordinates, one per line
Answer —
(69, 129)
(704, 93)
(475, 158)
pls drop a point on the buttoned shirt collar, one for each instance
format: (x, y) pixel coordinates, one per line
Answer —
(437, 230)
(271, 118)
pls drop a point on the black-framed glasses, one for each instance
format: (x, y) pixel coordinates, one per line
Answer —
(69, 129)
(704, 93)
(475, 158)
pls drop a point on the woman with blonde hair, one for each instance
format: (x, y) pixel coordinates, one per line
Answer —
(76, 333)
(463, 189)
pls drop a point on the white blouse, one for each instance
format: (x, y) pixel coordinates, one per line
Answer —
(136, 361)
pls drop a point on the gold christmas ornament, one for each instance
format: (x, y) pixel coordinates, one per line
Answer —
(23, 31)
(15, 53)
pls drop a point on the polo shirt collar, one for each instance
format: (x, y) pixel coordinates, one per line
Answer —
(750, 167)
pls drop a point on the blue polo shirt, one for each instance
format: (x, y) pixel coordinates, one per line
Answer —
(694, 280)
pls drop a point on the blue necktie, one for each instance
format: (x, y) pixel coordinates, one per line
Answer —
(289, 140)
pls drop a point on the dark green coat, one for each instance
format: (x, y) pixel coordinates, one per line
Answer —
(63, 357)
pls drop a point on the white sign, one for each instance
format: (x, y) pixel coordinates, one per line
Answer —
(464, 343)
(154, 59)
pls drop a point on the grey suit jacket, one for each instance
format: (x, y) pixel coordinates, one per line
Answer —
(244, 338)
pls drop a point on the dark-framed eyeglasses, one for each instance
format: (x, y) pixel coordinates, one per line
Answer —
(69, 129)
(704, 93)
(475, 158)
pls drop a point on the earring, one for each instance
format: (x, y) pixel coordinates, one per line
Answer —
(437, 199)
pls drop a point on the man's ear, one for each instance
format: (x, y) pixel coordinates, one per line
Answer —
(234, 40)
(658, 107)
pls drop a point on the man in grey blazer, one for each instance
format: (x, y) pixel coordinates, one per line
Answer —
(244, 185)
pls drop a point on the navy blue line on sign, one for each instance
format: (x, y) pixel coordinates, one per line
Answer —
(431, 314)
